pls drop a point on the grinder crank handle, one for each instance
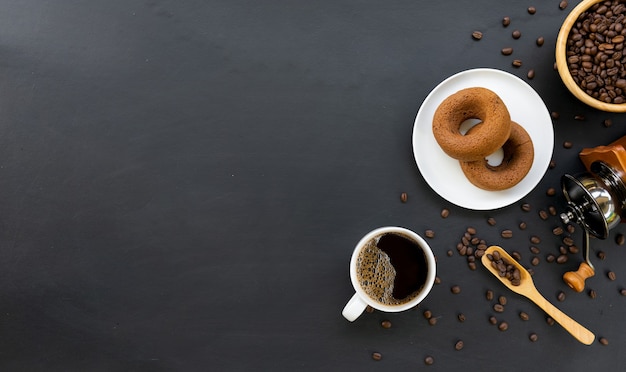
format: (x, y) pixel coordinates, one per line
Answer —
(576, 279)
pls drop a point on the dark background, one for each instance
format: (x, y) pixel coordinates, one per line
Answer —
(182, 184)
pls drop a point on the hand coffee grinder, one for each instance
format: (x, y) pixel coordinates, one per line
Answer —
(596, 200)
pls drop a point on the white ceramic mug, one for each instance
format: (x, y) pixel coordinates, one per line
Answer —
(359, 301)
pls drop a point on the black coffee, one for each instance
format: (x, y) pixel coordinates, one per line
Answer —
(392, 269)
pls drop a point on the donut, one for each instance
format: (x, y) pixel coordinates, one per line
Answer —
(519, 154)
(484, 138)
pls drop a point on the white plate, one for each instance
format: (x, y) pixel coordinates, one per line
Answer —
(443, 173)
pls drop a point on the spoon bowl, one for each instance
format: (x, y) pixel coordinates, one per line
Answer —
(527, 289)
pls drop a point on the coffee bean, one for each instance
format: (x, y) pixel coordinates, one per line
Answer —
(493, 320)
(516, 34)
(428, 314)
(506, 21)
(461, 317)
(603, 341)
(550, 258)
(563, 4)
(535, 239)
(459, 345)
(530, 74)
(445, 213)
(534, 250)
(432, 321)
(491, 221)
(611, 275)
(533, 337)
(429, 360)
(534, 261)
(523, 316)
(502, 300)
(550, 321)
(385, 324)
(506, 234)
(620, 239)
(472, 266)
(561, 296)
(543, 215)
(551, 191)
(555, 115)
(572, 249)
(449, 253)
(526, 207)
(507, 51)
(540, 41)
(607, 123)
(429, 234)
(601, 255)
(477, 35)
(503, 326)
(568, 241)
(532, 10)
(567, 144)
(377, 356)
(622, 291)
(571, 228)
(592, 293)
(369, 309)
(437, 280)
(552, 164)
(561, 259)
(471, 230)
(579, 117)
(557, 230)
(489, 295)
(498, 308)
(455, 289)
(517, 63)
(522, 225)
(404, 197)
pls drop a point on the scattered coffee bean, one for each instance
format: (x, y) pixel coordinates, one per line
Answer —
(491, 221)
(534, 250)
(620, 239)
(507, 51)
(429, 360)
(552, 210)
(429, 234)
(506, 21)
(523, 316)
(493, 320)
(540, 41)
(568, 241)
(506, 234)
(461, 317)
(404, 197)
(607, 123)
(477, 35)
(567, 144)
(432, 321)
(533, 337)
(517, 63)
(571, 228)
(558, 230)
(455, 289)
(563, 4)
(449, 253)
(550, 258)
(603, 341)
(522, 225)
(445, 213)
(611, 275)
(516, 255)
(601, 255)
(377, 356)
(526, 207)
(503, 326)
(472, 266)
(534, 261)
(532, 10)
(552, 164)
(489, 295)
(563, 250)
(543, 215)
(459, 345)
(551, 191)
(502, 300)
(516, 34)
(471, 230)
(385, 324)
(535, 239)
(592, 294)
(550, 321)
(428, 314)
(531, 74)
(498, 308)
(437, 280)
(555, 115)
(369, 309)
(561, 259)
(572, 249)
(622, 291)
(561, 296)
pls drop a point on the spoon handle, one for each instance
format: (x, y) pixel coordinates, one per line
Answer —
(579, 332)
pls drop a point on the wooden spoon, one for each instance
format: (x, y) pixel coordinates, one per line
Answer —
(527, 289)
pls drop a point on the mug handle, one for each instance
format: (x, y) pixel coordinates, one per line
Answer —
(354, 308)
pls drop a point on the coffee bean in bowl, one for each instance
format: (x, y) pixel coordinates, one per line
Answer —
(590, 54)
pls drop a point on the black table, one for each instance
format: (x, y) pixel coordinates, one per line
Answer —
(182, 184)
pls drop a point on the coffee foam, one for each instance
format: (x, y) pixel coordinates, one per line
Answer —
(376, 274)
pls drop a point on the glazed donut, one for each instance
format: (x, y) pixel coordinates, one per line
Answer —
(484, 138)
(518, 158)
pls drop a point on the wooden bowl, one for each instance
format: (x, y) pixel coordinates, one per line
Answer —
(561, 61)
